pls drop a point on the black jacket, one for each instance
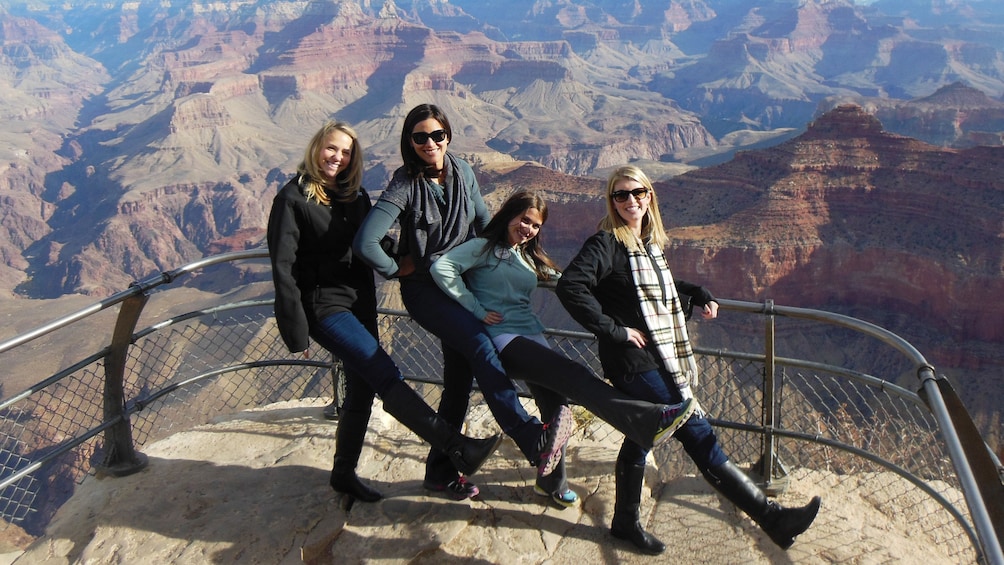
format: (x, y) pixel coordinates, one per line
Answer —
(599, 293)
(313, 268)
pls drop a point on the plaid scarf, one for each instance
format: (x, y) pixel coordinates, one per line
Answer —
(663, 314)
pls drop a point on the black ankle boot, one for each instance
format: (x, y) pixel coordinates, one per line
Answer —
(626, 524)
(783, 524)
(467, 454)
(344, 480)
(779, 523)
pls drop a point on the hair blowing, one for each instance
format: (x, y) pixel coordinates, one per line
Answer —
(346, 184)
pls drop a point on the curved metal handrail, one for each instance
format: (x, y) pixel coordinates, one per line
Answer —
(984, 536)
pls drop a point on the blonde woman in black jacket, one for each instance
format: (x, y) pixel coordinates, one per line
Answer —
(620, 288)
(324, 293)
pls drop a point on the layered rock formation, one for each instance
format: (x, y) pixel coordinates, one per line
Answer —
(115, 105)
(884, 219)
(852, 219)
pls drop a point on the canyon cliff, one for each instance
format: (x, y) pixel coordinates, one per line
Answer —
(139, 136)
(146, 134)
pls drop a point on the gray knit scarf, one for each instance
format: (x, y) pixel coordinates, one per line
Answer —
(663, 314)
(445, 214)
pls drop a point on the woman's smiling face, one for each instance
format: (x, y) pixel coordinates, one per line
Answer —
(335, 154)
(633, 209)
(525, 226)
(432, 152)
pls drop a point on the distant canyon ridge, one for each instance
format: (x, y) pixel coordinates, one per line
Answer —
(821, 154)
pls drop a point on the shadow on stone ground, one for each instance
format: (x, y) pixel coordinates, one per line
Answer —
(252, 488)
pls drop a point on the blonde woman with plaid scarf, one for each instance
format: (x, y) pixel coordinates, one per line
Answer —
(620, 288)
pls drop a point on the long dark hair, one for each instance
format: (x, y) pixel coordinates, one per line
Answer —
(413, 164)
(497, 232)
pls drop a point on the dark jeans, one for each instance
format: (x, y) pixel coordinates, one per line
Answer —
(465, 336)
(366, 363)
(697, 435)
(458, 380)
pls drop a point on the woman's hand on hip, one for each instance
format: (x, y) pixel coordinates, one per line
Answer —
(492, 318)
(405, 266)
(636, 337)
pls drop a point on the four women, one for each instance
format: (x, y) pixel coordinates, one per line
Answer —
(474, 294)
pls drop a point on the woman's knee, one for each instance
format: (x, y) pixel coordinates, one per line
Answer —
(701, 443)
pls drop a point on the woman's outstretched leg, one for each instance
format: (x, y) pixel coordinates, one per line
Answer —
(647, 423)
(343, 335)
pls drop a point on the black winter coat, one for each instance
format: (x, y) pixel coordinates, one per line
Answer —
(313, 268)
(599, 293)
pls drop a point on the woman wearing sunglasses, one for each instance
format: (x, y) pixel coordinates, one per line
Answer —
(620, 288)
(436, 198)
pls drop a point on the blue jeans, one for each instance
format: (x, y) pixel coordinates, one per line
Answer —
(365, 361)
(697, 435)
(460, 331)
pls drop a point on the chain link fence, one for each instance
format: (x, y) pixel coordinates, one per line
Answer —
(835, 425)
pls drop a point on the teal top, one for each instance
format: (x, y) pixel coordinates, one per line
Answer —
(499, 280)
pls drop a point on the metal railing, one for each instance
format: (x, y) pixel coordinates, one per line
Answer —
(832, 423)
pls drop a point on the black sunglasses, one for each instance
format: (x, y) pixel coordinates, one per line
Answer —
(420, 137)
(623, 195)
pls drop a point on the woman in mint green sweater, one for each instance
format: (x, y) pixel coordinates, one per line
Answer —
(493, 277)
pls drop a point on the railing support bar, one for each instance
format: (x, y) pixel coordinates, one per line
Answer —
(121, 457)
(769, 389)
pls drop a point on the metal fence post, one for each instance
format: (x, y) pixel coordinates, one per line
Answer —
(121, 457)
(768, 416)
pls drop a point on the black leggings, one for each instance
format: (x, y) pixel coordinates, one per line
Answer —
(537, 364)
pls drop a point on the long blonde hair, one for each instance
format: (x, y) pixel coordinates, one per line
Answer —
(652, 231)
(346, 184)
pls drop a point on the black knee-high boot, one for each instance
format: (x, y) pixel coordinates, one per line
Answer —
(349, 438)
(626, 525)
(779, 523)
(467, 454)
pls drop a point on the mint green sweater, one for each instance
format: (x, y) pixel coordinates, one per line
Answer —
(499, 280)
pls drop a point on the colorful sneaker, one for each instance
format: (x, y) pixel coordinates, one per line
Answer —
(566, 499)
(459, 489)
(673, 418)
(552, 439)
